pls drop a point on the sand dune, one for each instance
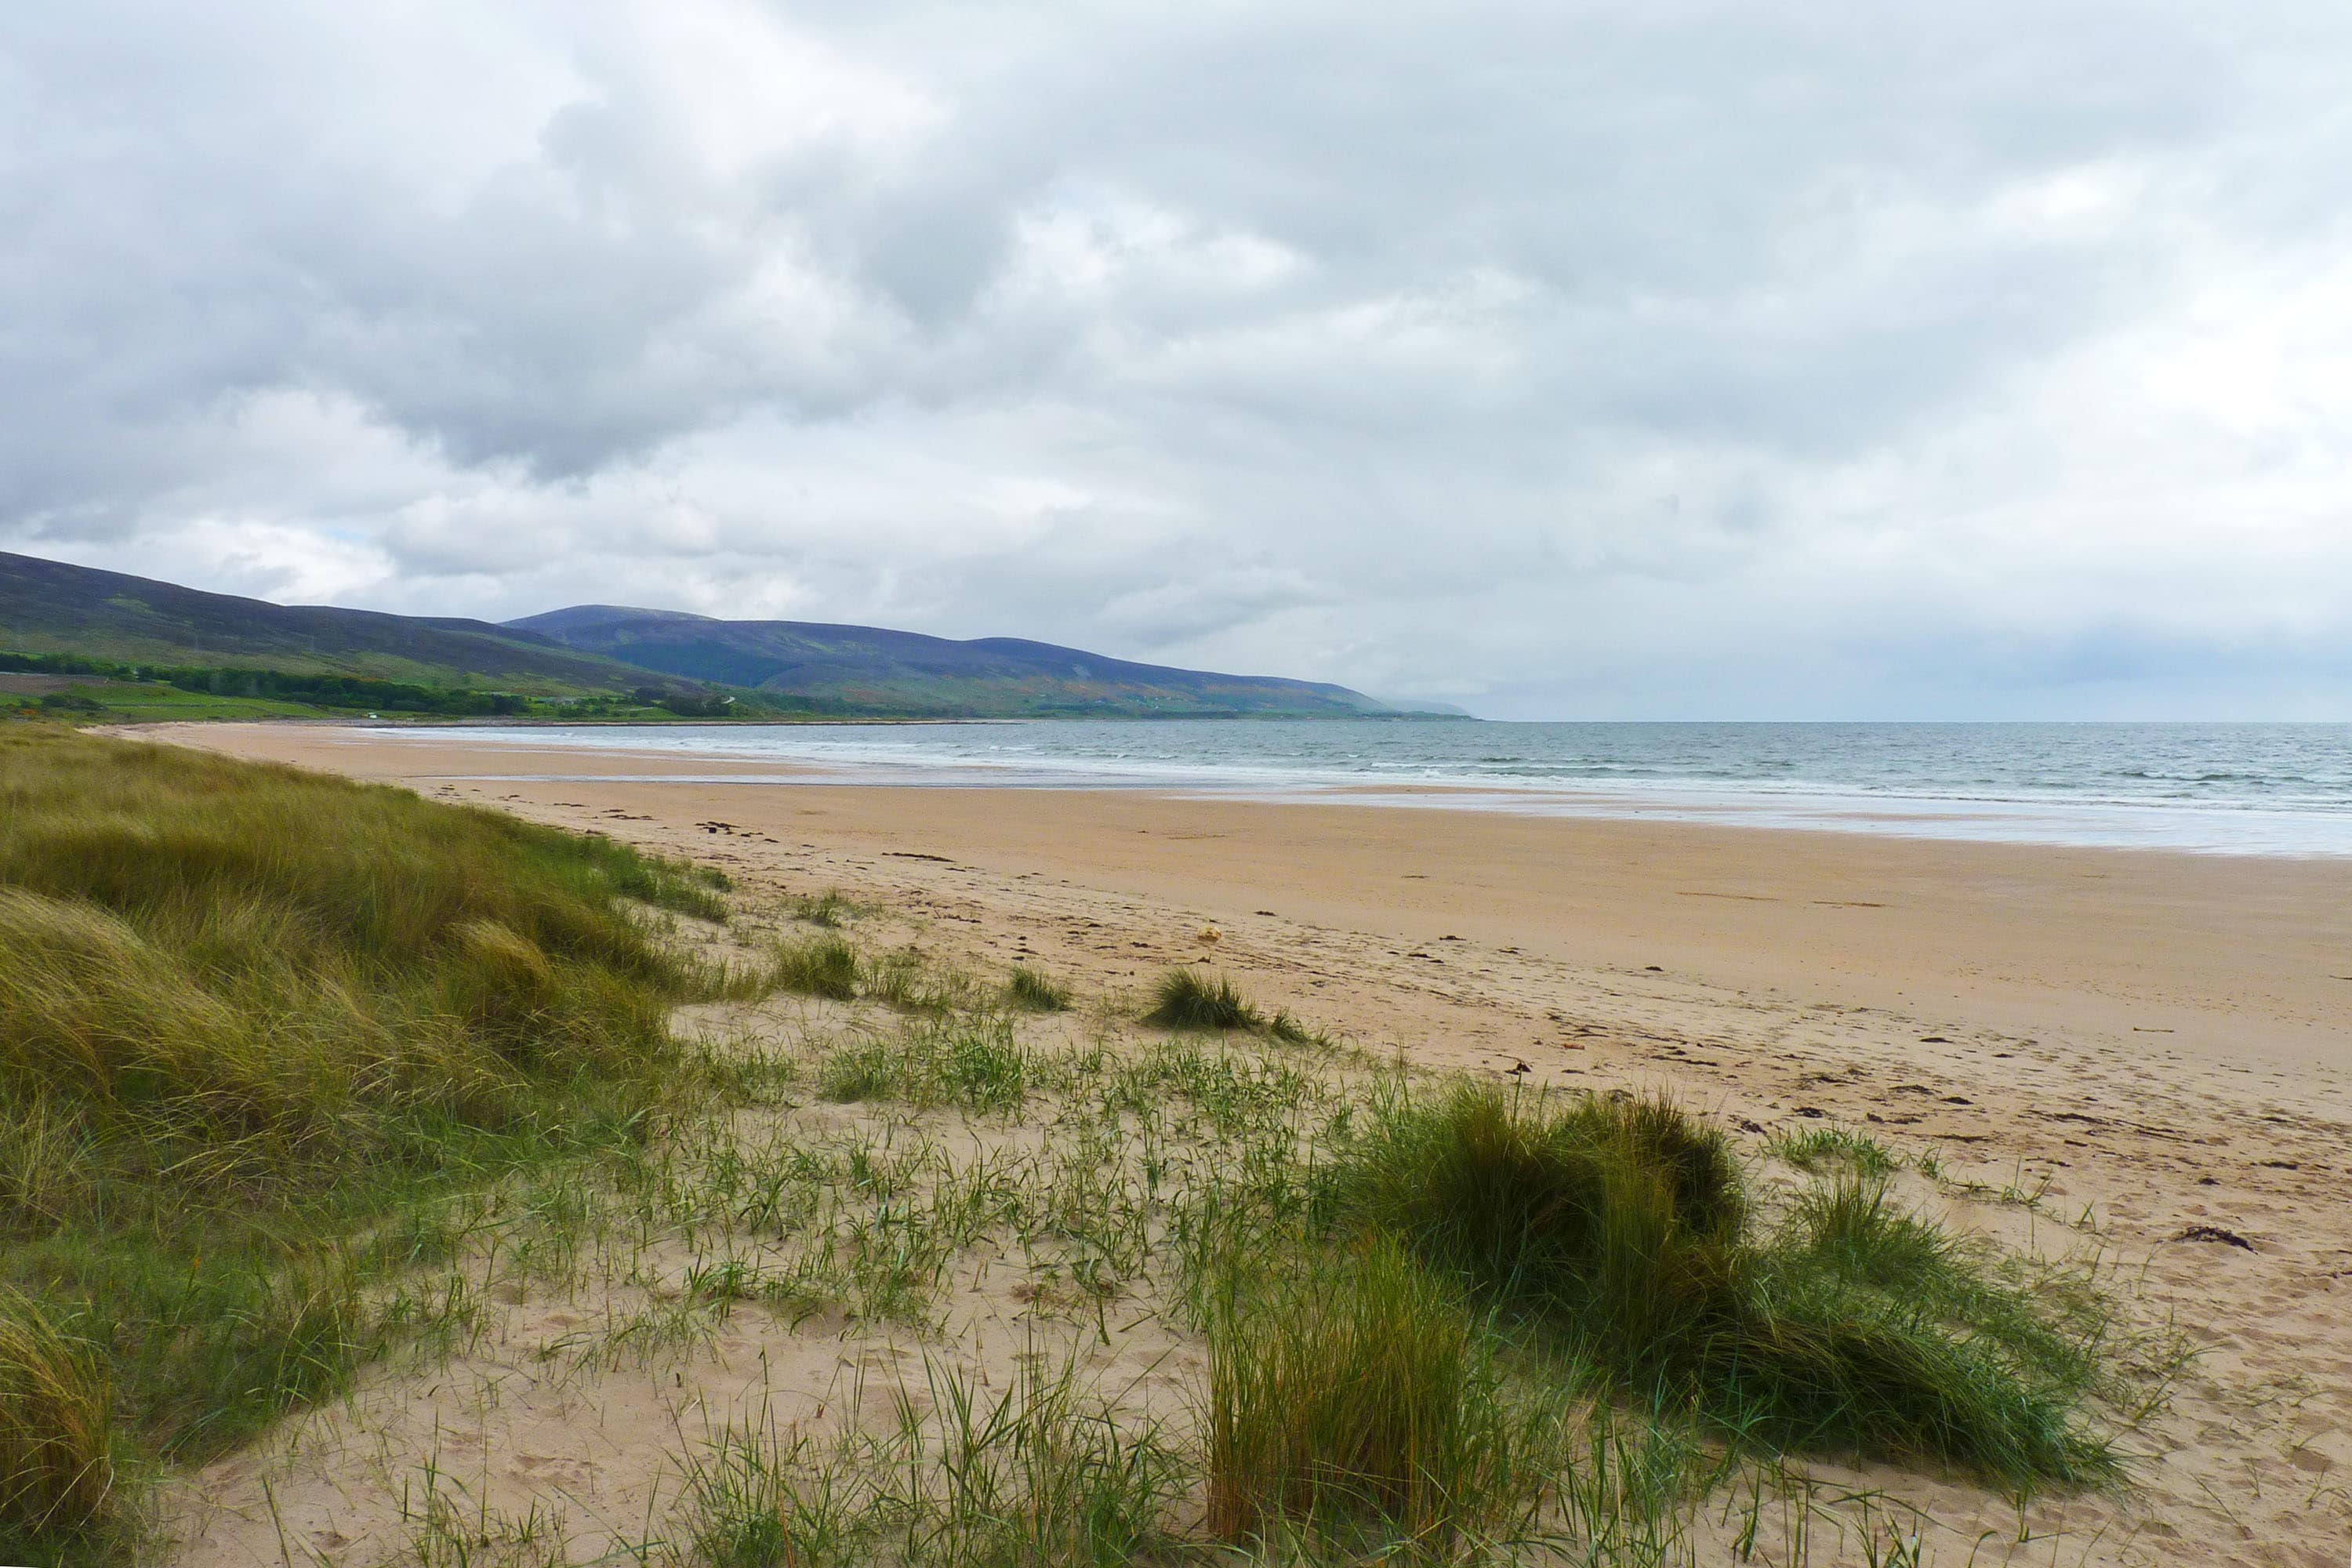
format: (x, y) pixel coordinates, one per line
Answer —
(2152, 1045)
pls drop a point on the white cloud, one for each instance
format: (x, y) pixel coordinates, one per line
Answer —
(1694, 359)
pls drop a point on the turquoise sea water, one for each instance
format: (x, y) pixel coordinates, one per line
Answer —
(2219, 788)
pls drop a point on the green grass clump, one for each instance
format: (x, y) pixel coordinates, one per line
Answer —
(57, 1458)
(1353, 1389)
(972, 1062)
(246, 1014)
(1969, 1364)
(827, 909)
(1033, 992)
(1187, 1000)
(825, 967)
(1619, 1216)
(908, 981)
(983, 1066)
(1622, 1226)
(1036, 1473)
(860, 1073)
(1289, 1031)
(1815, 1148)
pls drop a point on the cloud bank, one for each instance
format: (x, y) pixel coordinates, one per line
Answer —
(1752, 359)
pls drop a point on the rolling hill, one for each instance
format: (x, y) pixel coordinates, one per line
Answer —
(907, 672)
(51, 607)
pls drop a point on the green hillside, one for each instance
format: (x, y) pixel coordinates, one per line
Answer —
(49, 607)
(153, 649)
(908, 672)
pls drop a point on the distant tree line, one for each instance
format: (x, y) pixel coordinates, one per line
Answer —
(355, 692)
(369, 694)
(687, 704)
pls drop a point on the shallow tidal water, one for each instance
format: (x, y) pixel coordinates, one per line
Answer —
(2258, 789)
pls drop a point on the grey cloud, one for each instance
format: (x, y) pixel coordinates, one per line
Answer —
(1365, 345)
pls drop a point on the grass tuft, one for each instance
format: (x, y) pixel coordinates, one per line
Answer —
(912, 983)
(1036, 1473)
(826, 967)
(56, 1459)
(1033, 992)
(1818, 1148)
(1188, 1000)
(972, 1062)
(1596, 1206)
(1623, 1225)
(1351, 1390)
(1287, 1029)
(827, 909)
(860, 1073)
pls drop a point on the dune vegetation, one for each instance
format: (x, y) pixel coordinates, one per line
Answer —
(1442, 1320)
(251, 1022)
(1623, 1228)
(1187, 999)
(1033, 992)
(265, 1037)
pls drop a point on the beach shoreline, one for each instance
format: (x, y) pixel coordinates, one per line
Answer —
(2129, 1051)
(2242, 960)
(2266, 790)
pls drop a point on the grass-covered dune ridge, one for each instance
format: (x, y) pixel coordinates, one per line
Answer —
(271, 953)
(251, 1020)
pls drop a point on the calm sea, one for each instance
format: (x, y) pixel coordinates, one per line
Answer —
(2264, 789)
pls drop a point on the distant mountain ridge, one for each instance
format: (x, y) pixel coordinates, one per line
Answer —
(916, 673)
(52, 607)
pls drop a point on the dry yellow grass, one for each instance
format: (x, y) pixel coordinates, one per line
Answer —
(57, 1464)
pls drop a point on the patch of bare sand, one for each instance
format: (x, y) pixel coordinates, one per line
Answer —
(2145, 1043)
(563, 1416)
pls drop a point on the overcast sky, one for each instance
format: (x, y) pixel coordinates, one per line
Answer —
(1770, 358)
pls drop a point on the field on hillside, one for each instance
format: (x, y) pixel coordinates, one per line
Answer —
(140, 702)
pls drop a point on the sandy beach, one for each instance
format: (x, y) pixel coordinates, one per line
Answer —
(2149, 1041)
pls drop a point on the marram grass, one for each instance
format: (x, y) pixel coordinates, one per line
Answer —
(972, 1061)
(246, 1014)
(56, 1459)
(1186, 999)
(825, 967)
(234, 951)
(1033, 992)
(259, 972)
(1353, 1390)
(1622, 1228)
